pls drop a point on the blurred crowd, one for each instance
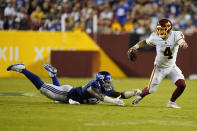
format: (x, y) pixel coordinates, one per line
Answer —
(113, 16)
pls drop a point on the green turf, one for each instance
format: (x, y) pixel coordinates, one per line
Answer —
(19, 111)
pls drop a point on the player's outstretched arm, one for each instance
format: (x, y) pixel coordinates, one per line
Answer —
(126, 94)
(132, 51)
(95, 92)
(140, 44)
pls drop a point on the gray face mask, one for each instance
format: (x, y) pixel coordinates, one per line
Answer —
(107, 85)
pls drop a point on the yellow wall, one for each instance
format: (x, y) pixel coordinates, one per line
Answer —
(33, 48)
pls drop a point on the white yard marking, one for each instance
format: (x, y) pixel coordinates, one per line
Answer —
(155, 122)
(12, 94)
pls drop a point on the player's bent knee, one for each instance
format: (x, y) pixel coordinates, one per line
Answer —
(180, 83)
(47, 93)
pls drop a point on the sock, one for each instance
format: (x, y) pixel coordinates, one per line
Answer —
(33, 78)
(127, 94)
(145, 92)
(55, 81)
(179, 90)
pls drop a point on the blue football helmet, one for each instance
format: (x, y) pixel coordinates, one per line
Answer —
(105, 80)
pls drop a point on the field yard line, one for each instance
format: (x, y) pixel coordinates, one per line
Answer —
(14, 94)
(30, 94)
(156, 122)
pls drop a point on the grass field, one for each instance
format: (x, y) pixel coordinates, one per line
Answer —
(22, 107)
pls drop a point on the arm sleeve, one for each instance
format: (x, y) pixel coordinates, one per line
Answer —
(95, 93)
(179, 38)
(150, 40)
(124, 95)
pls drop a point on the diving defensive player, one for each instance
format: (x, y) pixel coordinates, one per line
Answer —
(93, 92)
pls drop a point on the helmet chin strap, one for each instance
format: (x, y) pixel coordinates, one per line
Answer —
(103, 85)
(162, 36)
(107, 89)
(162, 32)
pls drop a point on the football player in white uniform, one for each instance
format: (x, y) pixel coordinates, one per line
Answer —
(167, 43)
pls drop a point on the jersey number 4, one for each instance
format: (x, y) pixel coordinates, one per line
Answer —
(168, 53)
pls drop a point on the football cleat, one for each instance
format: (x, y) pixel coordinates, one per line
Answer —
(51, 70)
(136, 100)
(16, 67)
(172, 105)
(137, 92)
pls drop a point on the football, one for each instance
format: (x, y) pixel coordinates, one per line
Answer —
(132, 56)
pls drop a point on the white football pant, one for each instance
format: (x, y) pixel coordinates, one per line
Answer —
(173, 73)
(58, 93)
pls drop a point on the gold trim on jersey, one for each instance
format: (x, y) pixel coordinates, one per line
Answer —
(179, 40)
(151, 78)
(151, 44)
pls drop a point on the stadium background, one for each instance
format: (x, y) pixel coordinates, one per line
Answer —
(119, 24)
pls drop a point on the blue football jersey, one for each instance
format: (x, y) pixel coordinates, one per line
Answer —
(81, 94)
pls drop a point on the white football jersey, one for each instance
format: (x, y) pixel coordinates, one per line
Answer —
(166, 49)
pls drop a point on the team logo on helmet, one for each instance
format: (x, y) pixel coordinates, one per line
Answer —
(101, 77)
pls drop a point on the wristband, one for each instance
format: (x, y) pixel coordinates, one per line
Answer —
(108, 100)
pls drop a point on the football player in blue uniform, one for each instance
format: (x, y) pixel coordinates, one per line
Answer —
(93, 92)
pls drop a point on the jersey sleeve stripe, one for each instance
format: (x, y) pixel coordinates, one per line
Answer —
(151, 44)
(151, 78)
(179, 40)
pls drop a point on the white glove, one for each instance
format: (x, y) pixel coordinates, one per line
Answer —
(73, 102)
(119, 102)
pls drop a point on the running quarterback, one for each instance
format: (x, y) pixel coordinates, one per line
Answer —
(167, 42)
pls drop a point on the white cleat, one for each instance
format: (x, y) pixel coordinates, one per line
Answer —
(137, 92)
(16, 67)
(172, 105)
(51, 70)
(136, 100)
